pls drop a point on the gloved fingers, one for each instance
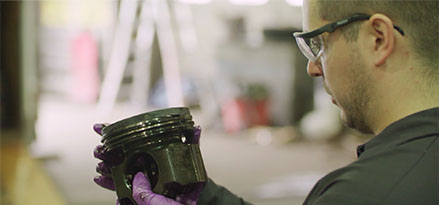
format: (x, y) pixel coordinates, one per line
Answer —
(99, 152)
(141, 181)
(105, 182)
(103, 169)
(109, 157)
(197, 134)
(98, 127)
(143, 194)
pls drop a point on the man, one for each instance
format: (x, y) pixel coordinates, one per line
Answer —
(379, 62)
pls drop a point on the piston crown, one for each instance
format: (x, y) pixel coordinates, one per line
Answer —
(151, 128)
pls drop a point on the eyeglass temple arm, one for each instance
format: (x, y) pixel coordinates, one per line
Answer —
(357, 17)
(331, 27)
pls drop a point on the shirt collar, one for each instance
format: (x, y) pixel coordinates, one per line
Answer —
(419, 124)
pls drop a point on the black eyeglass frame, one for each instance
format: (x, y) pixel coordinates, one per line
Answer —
(332, 26)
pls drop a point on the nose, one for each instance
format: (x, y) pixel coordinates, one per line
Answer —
(314, 69)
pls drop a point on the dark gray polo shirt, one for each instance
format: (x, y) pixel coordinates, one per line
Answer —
(398, 166)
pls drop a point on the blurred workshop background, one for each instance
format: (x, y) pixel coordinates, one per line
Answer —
(269, 131)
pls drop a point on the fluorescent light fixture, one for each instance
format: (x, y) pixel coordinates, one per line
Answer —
(248, 2)
(195, 1)
(295, 2)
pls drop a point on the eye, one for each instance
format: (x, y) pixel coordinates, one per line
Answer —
(315, 45)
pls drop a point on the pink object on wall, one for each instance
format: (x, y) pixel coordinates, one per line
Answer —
(85, 68)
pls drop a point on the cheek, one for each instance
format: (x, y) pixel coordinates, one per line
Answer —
(331, 68)
(336, 69)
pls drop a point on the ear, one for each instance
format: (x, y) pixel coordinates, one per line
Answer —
(381, 29)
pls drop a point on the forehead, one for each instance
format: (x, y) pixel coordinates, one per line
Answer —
(311, 18)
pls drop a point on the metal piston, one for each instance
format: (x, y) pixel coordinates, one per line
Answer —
(161, 145)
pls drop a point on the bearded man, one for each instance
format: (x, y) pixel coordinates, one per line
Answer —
(378, 60)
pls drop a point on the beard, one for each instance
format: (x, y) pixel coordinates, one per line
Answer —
(355, 107)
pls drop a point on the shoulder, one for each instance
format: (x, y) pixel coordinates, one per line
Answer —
(401, 173)
(353, 184)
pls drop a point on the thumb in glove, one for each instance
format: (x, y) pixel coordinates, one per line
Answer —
(143, 194)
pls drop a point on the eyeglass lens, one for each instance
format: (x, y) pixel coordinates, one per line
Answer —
(314, 44)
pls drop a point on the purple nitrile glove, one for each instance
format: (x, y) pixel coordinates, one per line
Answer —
(108, 159)
(142, 192)
(197, 134)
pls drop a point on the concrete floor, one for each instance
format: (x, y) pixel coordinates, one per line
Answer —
(275, 174)
(23, 180)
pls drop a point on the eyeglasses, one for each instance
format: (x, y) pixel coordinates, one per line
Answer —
(311, 43)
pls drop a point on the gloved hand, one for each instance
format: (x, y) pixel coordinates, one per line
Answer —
(142, 191)
(108, 159)
(143, 194)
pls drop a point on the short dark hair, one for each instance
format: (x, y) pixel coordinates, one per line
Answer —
(418, 18)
